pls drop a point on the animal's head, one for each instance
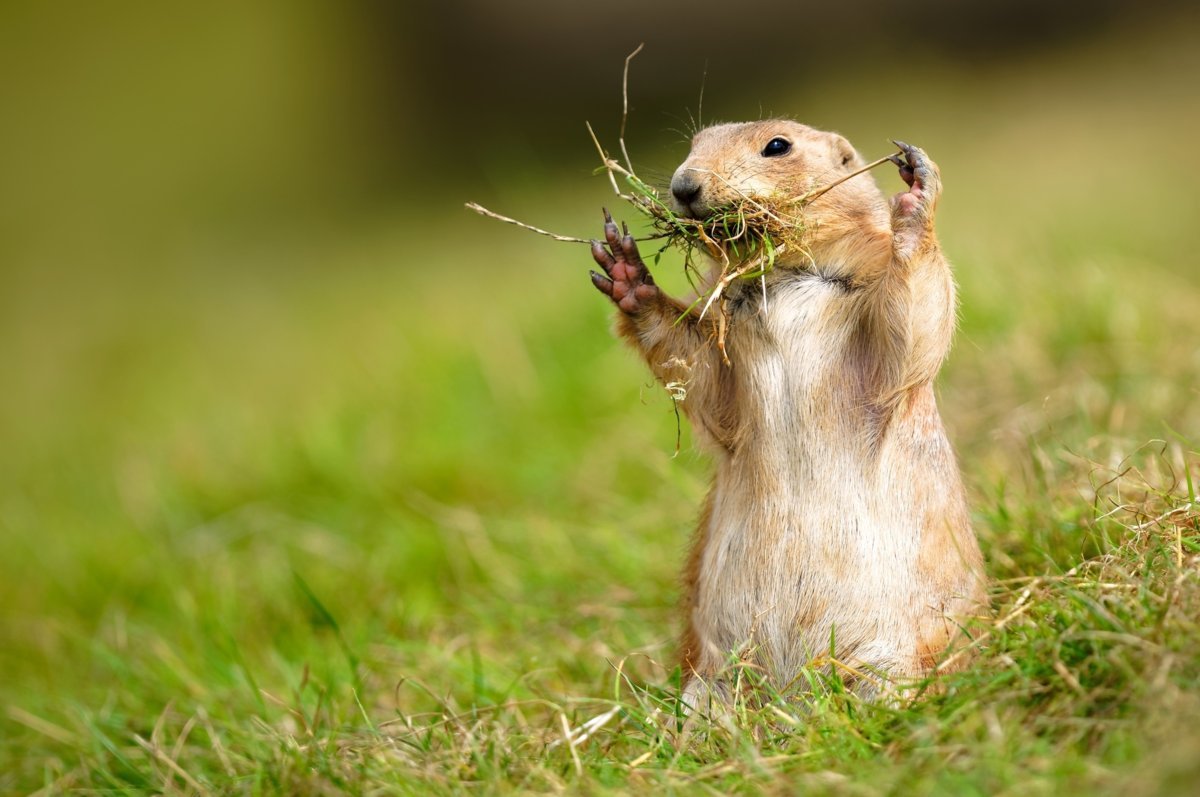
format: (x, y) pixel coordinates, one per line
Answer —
(778, 162)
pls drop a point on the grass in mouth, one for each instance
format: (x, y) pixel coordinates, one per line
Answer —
(745, 237)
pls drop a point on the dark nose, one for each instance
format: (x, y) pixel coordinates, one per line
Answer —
(686, 188)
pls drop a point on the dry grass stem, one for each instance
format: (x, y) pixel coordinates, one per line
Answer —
(811, 195)
(743, 237)
(625, 99)
(481, 210)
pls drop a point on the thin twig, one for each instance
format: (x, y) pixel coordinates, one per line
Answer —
(625, 103)
(491, 214)
(570, 739)
(678, 426)
(481, 210)
(607, 161)
(722, 330)
(811, 195)
(724, 282)
(1181, 508)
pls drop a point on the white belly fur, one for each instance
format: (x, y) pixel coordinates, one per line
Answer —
(808, 537)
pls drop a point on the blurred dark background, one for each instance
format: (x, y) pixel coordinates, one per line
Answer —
(163, 125)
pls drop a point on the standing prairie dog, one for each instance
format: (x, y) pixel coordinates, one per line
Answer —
(837, 521)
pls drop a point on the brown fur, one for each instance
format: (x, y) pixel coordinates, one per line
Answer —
(837, 507)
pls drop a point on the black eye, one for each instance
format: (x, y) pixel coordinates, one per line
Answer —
(776, 147)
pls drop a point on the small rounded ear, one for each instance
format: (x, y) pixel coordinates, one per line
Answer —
(846, 155)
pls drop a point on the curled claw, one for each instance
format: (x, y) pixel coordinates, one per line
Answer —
(907, 164)
(602, 283)
(610, 226)
(611, 234)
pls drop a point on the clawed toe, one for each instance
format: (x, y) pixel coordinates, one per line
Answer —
(920, 174)
(909, 163)
(602, 283)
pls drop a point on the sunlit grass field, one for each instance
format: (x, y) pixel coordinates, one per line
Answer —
(399, 515)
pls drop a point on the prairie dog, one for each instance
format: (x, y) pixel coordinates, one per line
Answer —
(837, 520)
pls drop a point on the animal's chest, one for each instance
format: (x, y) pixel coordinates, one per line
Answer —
(790, 352)
(791, 524)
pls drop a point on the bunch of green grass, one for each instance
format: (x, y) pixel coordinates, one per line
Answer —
(745, 236)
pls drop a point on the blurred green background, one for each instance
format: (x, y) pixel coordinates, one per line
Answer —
(248, 331)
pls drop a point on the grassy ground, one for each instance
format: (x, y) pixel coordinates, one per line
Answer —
(337, 526)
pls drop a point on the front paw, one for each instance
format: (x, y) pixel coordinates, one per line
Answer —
(628, 283)
(921, 176)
